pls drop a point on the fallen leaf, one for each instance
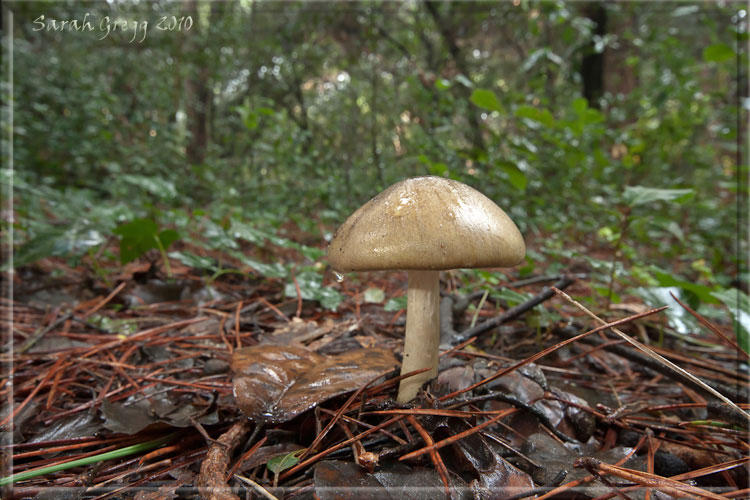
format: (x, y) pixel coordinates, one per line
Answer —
(555, 457)
(496, 478)
(341, 480)
(273, 384)
(132, 418)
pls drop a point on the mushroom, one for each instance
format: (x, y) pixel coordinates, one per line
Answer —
(424, 225)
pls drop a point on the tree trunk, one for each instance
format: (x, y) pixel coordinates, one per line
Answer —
(592, 65)
(197, 103)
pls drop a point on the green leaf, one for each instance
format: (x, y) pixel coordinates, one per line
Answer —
(442, 84)
(136, 238)
(329, 298)
(247, 233)
(702, 292)
(167, 237)
(515, 176)
(657, 296)
(641, 195)
(542, 116)
(194, 261)
(395, 304)
(280, 463)
(511, 297)
(580, 106)
(738, 304)
(274, 270)
(215, 236)
(685, 10)
(438, 168)
(310, 288)
(461, 78)
(605, 292)
(101, 457)
(154, 185)
(718, 52)
(57, 243)
(374, 296)
(486, 99)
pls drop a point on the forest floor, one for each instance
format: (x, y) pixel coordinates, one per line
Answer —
(154, 387)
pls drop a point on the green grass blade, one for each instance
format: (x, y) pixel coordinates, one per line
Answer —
(122, 452)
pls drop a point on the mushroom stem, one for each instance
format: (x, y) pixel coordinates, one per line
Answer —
(422, 331)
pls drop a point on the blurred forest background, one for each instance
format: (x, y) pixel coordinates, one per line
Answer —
(611, 132)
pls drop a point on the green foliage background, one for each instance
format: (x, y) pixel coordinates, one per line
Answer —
(267, 112)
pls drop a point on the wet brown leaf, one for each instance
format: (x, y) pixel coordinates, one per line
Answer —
(273, 384)
(345, 480)
(555, 457)
(496, 478)
(133, 418)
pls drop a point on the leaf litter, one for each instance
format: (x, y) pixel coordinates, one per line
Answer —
(582, 418)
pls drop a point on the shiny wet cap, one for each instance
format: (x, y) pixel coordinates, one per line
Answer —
(426, 223)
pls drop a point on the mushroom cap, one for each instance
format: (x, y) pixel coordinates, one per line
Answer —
(426, 223)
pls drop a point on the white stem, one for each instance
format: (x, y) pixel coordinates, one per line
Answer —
(422, 331)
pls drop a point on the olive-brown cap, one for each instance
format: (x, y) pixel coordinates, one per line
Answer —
(427, 223)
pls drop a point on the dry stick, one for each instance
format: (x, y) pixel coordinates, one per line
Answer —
(365, 425)
(333, 421)
(431, 447)
(575, 483)
(47, 376)
(342, 444)
(513, 312)
(37, 335)
(653, 355)
(655, 365)
(42, 332)
(670, 486)
(713, 469)
(212, 481)
(550, 349)
(224, 339)
(260, 489)
(338, 415)
(104, 301)
(180, 464)
(237, 324)
(434, 455)
(299, 296)
(703, 321)
(246, 455)
(141, 335)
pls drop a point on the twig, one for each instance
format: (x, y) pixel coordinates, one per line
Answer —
(711, 327)
(654, 365)
(212, 482)
(513, 312)
(550, 349)
(653, 355)
(247, 455)
(342, 444)
(339, 413)
(11, 415)
(452, 439)
(512, 400)
(260, 489)
(237, 324)
(105, 300)
(37, 335)
(667, 485)
(431, 448)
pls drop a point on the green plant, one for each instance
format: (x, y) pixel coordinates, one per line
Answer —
(141, 235)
